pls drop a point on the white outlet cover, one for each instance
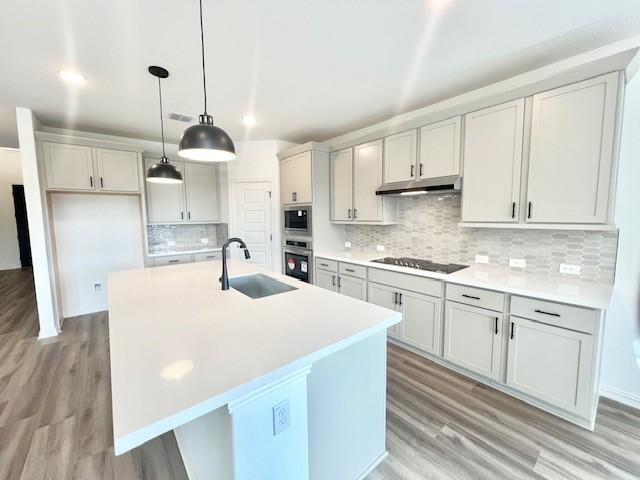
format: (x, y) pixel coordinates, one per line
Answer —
(204, 240)
(380, 248)
(281, 417)
(570, 269)
(482, 259)
(517, 263)
(171, 243)
(347, 244)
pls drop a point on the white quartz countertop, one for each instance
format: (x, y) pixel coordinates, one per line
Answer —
(164, 253)
(557, 289)
(181, 347)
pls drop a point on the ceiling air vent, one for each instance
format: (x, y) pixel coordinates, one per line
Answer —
(181, 117)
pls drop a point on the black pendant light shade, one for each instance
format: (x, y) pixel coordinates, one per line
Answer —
(162, 172)
(206, 142)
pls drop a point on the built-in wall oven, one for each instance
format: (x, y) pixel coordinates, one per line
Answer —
(297, 221)
(298, 259)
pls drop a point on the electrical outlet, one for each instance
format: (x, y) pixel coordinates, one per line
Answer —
(281, 417)
(97, 287)
(517, 263)
(570, 269)
(380, 248)
(482, 259)
(171, 243)
(204, 241)
(347, 244)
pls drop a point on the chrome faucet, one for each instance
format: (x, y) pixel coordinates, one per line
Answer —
(225, 275)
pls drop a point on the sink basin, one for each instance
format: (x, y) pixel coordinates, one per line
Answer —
(258, 285)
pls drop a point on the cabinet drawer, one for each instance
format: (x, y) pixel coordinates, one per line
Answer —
(324, 264)
(477, 297)
(171, 260)
(352, 270)
(566, 316)
(207, 256)
(428, 286)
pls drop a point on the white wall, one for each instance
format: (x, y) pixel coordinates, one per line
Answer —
(621, 361)
(94, 235)
(257, 161)
(10, 174)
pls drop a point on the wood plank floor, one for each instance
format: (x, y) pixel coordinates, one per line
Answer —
(55, 416)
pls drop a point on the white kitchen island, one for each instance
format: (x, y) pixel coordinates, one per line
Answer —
(289, 386)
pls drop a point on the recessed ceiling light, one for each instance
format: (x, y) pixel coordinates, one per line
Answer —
(249, 120)
(72, 77)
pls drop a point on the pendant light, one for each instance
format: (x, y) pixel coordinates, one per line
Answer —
(162, 172)
(205, 141)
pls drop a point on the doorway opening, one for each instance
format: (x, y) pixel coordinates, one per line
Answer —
(22, 225)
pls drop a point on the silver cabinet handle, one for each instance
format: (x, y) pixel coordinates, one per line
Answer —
(355, 213)
(339, 282)
(513, 210)
(496, 329)
(412, 167)
(101, 183)
(529, 207)
(513, 326)
(189, 215)
(400, 299)
(175, 260)
(91, 181)
(547, 313)
(181, 215)
(324, 264)
(395, 298)
(349, 213)
(350, 270)
(421, 169)
(470, 296)
(333, 280)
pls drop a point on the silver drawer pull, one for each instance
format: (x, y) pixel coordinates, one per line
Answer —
(324, 264)
(547, 313)
(174, 261)
(349, 270)
(470, 296)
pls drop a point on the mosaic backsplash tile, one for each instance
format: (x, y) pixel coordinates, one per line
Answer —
(427, 228)
(186, 236)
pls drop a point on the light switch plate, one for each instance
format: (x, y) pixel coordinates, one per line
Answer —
(347, 244)
(380, 248)
(517, 263)
(570, 269)
(482, 259)
(281, 417)
(204, 241)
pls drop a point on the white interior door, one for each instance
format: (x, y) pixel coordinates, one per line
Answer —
(254, 223)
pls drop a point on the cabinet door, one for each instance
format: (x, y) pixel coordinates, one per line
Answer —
(400, 152)
(117, 170)
(550, 363)
(326, 280)
(472, 338)
(570, 158)
(387, 297)
(353, 287)
(341, 166)
(492, 163)
(165, 201)
(68, 166)
(201, 192)
(440, 149)
(421, 321)
(296, 179)
(367, 177)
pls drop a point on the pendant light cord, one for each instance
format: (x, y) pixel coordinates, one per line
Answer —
(161, 118)
(204, 75)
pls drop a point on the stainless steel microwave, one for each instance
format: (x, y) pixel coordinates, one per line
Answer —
(297, 221)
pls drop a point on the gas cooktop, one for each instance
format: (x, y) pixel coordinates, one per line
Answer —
(421, 264)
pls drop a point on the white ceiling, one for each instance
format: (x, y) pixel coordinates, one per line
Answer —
(308, 69)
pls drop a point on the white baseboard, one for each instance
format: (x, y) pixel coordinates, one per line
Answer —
(47, 334)
(629, 399)
(373, 466)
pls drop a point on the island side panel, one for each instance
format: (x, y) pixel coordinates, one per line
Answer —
(347, 410)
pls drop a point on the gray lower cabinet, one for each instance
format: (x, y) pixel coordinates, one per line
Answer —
(473, 338)
(386, 297)
(551, 363)
(353, 287)
(326, 279)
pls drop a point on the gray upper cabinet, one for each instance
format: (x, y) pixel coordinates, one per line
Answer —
(341, 173)
(196, 200)
(118, 170)
(400, 153)
(367, 177)
(68, 167)
(571, 152)
(492, 163)
(296, 179)
(440, 149)
(201, 192)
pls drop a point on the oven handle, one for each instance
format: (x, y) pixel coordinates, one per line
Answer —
(302, 251)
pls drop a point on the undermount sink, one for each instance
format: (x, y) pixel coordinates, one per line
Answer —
(258, 285)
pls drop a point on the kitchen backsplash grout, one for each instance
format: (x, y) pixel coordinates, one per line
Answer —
(428, 228)
(186, 236)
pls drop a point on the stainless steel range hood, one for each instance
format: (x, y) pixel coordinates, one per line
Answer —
(432, 186)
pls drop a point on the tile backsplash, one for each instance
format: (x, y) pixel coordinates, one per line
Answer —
(428, 228)
(186, 236)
